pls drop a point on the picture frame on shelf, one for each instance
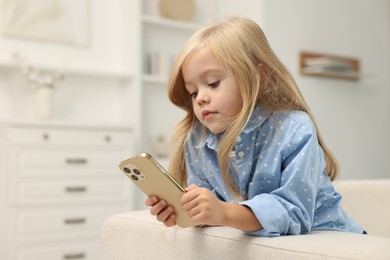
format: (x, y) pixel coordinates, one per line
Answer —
(329, 66)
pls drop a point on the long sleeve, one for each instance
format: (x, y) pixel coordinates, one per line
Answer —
(290, 208)
(279, 170)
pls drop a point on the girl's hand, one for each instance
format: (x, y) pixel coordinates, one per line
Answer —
(202, 206)
(164, 213)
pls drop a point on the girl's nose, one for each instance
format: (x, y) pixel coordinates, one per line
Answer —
(202, 97)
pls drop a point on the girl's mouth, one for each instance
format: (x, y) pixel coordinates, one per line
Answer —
(206, 113)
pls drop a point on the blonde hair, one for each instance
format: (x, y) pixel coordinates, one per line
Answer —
(241, 47)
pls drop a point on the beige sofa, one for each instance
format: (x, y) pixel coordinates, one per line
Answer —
(137, 235)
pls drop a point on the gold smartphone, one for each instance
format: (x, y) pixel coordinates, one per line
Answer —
(153, 179)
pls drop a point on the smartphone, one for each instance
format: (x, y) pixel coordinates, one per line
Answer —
(153, 179)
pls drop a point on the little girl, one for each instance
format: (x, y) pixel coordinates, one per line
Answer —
(248, 150)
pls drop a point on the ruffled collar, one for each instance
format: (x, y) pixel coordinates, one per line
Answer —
(257, 118)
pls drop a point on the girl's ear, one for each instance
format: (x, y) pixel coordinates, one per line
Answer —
(260, 66)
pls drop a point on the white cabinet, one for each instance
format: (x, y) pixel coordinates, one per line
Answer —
(61, 184)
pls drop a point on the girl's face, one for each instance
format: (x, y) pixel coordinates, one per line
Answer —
(216, 98)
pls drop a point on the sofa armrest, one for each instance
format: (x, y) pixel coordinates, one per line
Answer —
(367, 202)
(137, 235)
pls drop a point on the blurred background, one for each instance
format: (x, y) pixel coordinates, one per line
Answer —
(83, 86)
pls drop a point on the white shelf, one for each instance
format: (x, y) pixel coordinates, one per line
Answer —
(106, 73)
(160, 42)
(159, 21)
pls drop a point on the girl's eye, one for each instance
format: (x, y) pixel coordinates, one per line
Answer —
(194, 94)
(214, 84)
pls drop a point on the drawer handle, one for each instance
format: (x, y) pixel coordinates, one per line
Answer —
(45, 136)
(76, 161)
(74, 256)
(74, 221)
(76, 189)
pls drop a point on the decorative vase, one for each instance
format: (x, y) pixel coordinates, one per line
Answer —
(177, 9)
(43, 102)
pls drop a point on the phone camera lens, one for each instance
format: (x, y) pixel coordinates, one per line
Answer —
(136, 171)
(134, 177)
(126, 170)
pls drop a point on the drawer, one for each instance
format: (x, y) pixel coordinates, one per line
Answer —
(83, 250)
(45, 224)
(67, 162)
(20, 135)
(75, 191)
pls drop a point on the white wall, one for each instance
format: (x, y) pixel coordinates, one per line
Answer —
(354, 117)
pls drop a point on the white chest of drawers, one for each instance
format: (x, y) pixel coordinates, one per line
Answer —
(59, 184)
